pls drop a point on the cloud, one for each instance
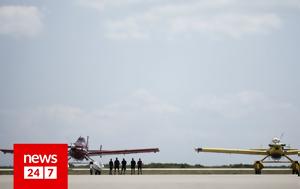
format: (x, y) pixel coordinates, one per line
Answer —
(141, 101)
(20, 20)
(67, 113)
(123, 115)
(184, 19)
(232, 25)
(183, 6)
(125, 29)
(102, 4)
(242, 104)
(151, 103)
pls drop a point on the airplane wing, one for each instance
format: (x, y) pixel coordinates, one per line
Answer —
(292, 152)
(115, 152)
(233, 151)
(7, 151)
(260, 149)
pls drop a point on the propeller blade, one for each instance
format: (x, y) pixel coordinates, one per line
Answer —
(100, 150)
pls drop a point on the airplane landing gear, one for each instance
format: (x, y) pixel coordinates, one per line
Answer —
(258, 171)
(258, 166)
(296, 167)
(97, 172)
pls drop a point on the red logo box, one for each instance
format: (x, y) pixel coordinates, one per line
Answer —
(40, 166)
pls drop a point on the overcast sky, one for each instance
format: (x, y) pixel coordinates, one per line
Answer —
(173, 74)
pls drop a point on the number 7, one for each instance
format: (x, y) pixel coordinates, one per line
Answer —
(51, 171)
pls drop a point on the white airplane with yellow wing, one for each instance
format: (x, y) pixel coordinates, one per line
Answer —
(276, 151)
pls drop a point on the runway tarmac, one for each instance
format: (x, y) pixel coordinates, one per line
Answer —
(177, 171)
(175, 181)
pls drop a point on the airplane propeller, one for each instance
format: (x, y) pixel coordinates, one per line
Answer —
(281, 136)
(101, 150)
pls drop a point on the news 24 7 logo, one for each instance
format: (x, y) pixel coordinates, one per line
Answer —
(40, 166)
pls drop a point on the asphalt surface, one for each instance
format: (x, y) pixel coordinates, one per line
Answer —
(175, 181)
(177, 171)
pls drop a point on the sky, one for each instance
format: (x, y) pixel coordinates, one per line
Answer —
(173, 74)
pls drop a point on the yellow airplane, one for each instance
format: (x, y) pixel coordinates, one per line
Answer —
(276, 151)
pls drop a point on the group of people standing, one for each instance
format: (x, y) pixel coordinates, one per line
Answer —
(116, 166)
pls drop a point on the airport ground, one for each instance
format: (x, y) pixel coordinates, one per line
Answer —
(175, 181)
(190, 171)
(178, 171)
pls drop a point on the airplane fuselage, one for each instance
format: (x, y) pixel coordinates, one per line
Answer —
(276, 151)
(79, 150)
(77, 154)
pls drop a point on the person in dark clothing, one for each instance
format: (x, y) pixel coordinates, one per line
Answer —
(123, 170)
(91, 168)
(140, 164)
(133, 163)
(117, 166)
(111, 166)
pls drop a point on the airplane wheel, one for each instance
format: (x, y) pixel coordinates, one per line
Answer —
(258, 167)
(257, 171)
(295, 167)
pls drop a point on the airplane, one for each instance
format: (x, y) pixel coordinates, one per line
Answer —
(276, 151)
(79, 151)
